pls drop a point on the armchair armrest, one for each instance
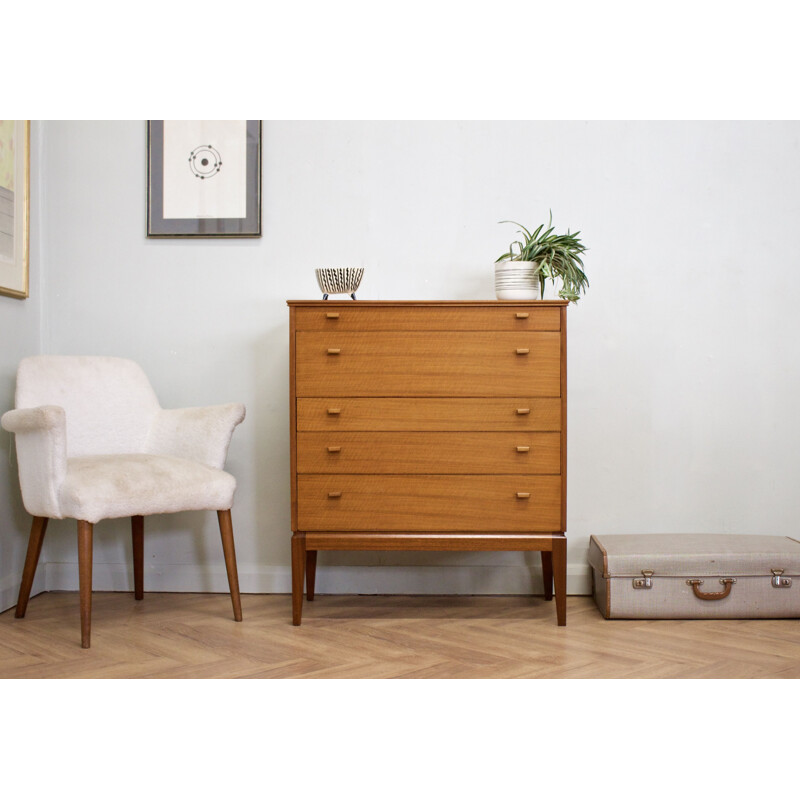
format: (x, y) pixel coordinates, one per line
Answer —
(41, 435)
(41, 418)
(199, 434)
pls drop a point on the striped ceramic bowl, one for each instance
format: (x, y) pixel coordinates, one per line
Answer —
(339, 280)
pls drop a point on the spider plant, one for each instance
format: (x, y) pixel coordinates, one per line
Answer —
(557, 257)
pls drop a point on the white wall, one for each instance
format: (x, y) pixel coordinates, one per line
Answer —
(682, 373)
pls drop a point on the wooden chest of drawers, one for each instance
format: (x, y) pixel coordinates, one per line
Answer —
(428, 426)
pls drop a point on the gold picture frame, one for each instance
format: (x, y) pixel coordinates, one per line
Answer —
(15, 163)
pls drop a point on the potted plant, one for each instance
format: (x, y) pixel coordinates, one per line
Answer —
(522, 271)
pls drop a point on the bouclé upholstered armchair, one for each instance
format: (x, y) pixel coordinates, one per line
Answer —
(93, 443)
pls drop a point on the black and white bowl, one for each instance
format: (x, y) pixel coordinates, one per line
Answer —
(339, 280)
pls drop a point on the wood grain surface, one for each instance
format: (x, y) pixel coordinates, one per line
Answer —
(193, 636)
(421, 318)
(413, 452)
(429, 414)
(420, 363)
(429, 502)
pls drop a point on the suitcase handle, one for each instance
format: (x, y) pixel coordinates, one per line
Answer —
(726, 582)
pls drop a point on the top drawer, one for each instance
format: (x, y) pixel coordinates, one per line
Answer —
(355, 317)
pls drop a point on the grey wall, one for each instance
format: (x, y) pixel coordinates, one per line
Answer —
(682, 373)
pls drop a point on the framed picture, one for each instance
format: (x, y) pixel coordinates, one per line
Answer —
(204, 178)
(15, 161)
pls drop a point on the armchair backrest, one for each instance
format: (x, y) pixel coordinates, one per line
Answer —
(109, 402)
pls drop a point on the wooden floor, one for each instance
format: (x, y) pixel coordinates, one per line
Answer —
(194, 636)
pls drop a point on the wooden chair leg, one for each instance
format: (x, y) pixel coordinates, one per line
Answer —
(311, 573)
(547, 573)
(85, 530)
(137, 539)
(298, 575)
(560, 577)
(226, 531)
(35, 541)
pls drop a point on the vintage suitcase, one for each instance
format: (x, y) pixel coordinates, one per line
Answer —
(695, 576)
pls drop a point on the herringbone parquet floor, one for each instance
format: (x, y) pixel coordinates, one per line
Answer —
(194, 636)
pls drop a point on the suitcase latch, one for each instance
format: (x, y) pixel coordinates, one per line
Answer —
(778, 581)
(645, 582)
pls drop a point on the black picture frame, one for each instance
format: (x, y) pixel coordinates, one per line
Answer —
(159, 226)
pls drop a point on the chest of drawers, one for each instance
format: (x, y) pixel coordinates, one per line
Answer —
(428, 426)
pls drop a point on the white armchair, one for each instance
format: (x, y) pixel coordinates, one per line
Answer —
(93, 443)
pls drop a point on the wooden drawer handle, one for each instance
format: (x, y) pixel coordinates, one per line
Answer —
(334, 494)
(726, 582)
(523, 495)
(522, 315)
(334, 351)
(523, 351)
(523, 448)
(334, 449)
(523, 411)
(332, 315)
(334, 411)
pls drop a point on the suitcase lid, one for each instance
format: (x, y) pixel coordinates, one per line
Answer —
(690, 555)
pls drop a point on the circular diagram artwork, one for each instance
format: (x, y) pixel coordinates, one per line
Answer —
(205, 161)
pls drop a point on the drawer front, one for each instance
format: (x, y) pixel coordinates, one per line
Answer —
(429, 503)
(428, 414)
(360, 318)
(416, 363)
(429, 453)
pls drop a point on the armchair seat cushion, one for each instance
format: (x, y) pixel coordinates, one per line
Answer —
(110, 486)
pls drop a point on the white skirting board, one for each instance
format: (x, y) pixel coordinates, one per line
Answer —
(9, 589)
(455, 580)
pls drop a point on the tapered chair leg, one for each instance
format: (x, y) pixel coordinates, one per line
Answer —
(35, 541)
(226, 531)
(85, 530)
(137, 539)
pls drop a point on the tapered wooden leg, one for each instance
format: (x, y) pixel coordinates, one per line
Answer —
(85, 530)
(311, 573)
(35, 541)
(226, 531)
(137, 538)
(547, 574)
(298, 575)
(560, 577)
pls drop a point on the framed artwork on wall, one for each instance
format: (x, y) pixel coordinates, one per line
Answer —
(15, 161)
(204, 178)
